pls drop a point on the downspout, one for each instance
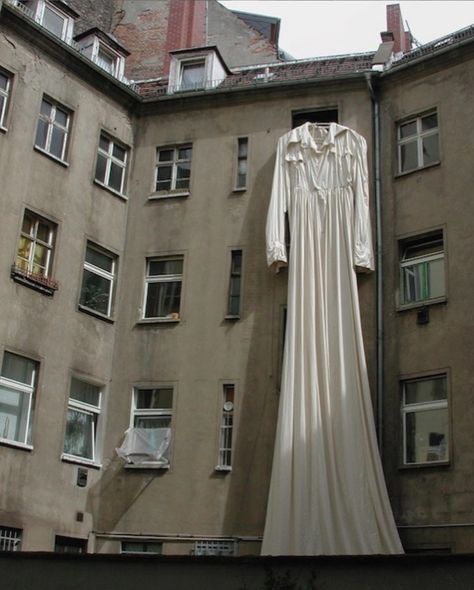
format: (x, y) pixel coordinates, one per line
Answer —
(378, 259)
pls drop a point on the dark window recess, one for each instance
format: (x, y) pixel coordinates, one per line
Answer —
(318, 116)
(69, 545)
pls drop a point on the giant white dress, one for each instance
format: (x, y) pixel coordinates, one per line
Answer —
(327, 492)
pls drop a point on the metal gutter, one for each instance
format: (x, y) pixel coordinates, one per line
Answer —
(378, 260)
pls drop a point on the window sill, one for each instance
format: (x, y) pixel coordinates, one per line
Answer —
(41, 284)
(110, 190)
(232, 318)
(428, 464)
(158, 196)
(51, 156)
(421, 168)
(419, 304)
(146, 321)
(3, 129)
(223, 469)
(96, 314)
(147, 465)
(239, 189)
(15, 444)
(80, 461)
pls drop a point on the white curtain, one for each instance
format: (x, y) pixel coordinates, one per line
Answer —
(327, 492)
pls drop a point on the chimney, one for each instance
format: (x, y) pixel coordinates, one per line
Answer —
(395, 28)
(186, 26)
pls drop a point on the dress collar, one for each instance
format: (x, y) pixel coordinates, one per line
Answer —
(302, 135)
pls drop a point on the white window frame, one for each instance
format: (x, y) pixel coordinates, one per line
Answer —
(109, 159)
(51, 125)
(418, 138)
(417, 261)
(67, 21)
(221, 547)
(173, 164)
(165, 413)
(165, 278)
(227, 425)
(5, 97)
(89, 410)
(417, 407)
(27, 389)
(108, 275)
(238, 186)
(49, 245)
(10, 538)
(235, 277)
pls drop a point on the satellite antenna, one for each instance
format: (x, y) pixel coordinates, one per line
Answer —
(414, 41)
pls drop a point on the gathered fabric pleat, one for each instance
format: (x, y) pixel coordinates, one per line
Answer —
(327, 492)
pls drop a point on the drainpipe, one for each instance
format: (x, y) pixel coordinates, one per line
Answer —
(378, 259)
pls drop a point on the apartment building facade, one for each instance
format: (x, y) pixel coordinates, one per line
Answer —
(138, 314)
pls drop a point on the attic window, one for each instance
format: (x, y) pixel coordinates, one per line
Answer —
(192, 74)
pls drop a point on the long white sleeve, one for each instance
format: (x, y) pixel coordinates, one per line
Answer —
(275, 229)
(363, 251)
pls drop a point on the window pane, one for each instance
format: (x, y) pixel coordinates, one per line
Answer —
(192, 75)
(61, 117)
(43, 232)
(100, 168)
(3, 81)
(163, 299)
(115, 177)
(53, 21)
(41, 134)
(104, 143)
(85, 392)
(425, 390)
(165, 155)
(153, 423)
(118, 152)
(409, 156)
(437, 288)
(23, 255)
(99, 259)
(427, 436)
(46, 108)
(40, 258)
(184, 153)
(13, 414)
(18, 368)
(163, 178)
(423, 248)
(424, 280)
(407, 129)
(58, 138)
(95, 292)
(183, 173)
(430, 149)
(243, 146)
(165, 267)
(429, 122)
(154, 398)
(79, 434)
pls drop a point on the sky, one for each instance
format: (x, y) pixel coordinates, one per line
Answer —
(313, 28)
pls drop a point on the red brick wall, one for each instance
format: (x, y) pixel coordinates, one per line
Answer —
(395, 26)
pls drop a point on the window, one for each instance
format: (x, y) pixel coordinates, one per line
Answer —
(69, 545)
(314, 116)
(5, 83)
(141, 547)
(83, 413)
(422, 269)
(163, 288)
(242, 163)
(111, 164)
(52, 129)
(10, 539)
(233, 305)
(418, 142)
(106, 60)
(173, 169)
(425, 420)
(227, 425)
(212, 547)
(34, 255)
(17, 391)
(98, 280)
(54, 20)
(192, 74)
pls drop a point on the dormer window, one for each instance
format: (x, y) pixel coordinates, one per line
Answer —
(103, 50)
(192, 75)
(55, 16)
(199, 68)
